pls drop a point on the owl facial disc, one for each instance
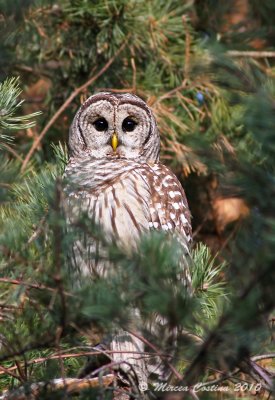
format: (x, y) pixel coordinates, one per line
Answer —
(111, 125)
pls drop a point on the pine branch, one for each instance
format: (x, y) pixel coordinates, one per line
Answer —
(74, 355)
(9, 105)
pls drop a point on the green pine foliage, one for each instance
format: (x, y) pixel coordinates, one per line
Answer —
(9, 104)
(216, 118)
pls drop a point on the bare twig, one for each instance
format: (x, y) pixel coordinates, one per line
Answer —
(258, 373)
(124, 90)
(134, 84)
(171, 92)
(7, 371)
(252, 54)
(42, 71)
(59, 355)
(263, 357)
(29, 347)
(38, 230)
(70, 385)
(193, 394)
(12, 151)
(39, 286)
(221, 379)
(11, 307)
(72, 96)
(187, 48)
(23, 283)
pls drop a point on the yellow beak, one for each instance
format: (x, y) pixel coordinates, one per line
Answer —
(114, 141)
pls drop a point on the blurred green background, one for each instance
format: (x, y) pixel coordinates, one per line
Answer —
(207, 70)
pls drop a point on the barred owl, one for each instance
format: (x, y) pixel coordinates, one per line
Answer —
(115, 176)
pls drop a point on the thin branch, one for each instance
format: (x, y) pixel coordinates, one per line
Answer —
(252, 54)
(193, 394)
(124, 90)
(134, 84)
(42, 71)
(111, 366)
(186, 67)
(263, 357)
(258, 373)
(38, 230)
(73, 95)
(70, 385)
(28, 347)
(39, 286)
(12, 151)
(11, 307)
(221, 379)
(57, 356)
(7, 371)
(171, 92)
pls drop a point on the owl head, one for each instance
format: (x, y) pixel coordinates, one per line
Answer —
(110, 125)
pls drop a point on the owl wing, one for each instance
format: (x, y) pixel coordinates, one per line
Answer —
(169, 209)
(169, 212)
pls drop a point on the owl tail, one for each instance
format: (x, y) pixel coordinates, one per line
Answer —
(128, 355)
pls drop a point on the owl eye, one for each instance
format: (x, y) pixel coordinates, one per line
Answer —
(100, 124)
(128, 125)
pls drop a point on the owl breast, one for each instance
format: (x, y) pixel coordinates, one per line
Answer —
(121, 208)
(126, 198)
(115, 195)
